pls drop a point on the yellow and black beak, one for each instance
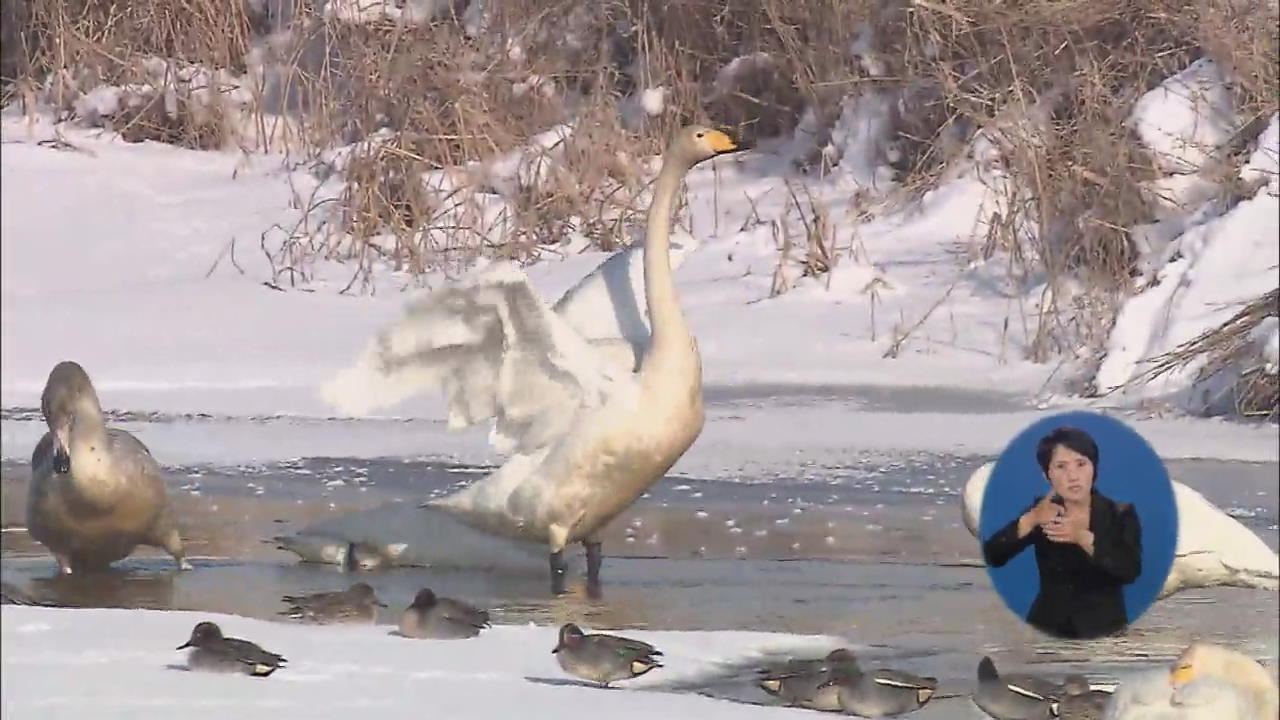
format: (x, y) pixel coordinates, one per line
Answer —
(721, 142)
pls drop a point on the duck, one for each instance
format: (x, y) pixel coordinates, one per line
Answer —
(358, 603)
(211, 651)
(878, 693)
(602, 658)
(1014, 697)
(1080, 701)
(803, 682)
(440, 618)
(96, 491)
(586, 429)
(1213, 548)
(350, 556)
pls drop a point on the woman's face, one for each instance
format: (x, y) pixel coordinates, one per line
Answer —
(1070, 474)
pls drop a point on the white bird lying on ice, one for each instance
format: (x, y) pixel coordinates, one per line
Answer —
(1205, 682)
(1213, 547)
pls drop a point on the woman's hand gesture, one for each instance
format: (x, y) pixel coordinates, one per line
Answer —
(1046, 511)
(1043, 514)
(1071, 527)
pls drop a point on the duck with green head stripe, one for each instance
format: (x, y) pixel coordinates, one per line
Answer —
(603, 658)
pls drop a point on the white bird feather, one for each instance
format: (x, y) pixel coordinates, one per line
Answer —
(1213, 548)
(588, 407)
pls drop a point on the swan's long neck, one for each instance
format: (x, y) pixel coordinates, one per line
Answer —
(668, 330)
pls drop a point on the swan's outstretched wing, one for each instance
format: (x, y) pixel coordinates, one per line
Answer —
(608, 303)
(495, 350)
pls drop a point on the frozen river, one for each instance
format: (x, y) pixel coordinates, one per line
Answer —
(870, 549)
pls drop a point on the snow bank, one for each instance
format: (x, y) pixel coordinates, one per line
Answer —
(1187, 119)
(122, 664)
(129, 269)
(1204, 264)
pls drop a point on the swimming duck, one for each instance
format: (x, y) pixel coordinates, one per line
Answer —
(350, 556)
(1014, 697)
(441, 618)
(803, 682)
(212, 652)
(603, 658)
(96, 491)
(878, 693)
(357, 603)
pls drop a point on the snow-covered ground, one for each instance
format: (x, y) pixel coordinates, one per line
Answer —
(126, 242)
(1203, 264)
(108, 663)
(127, 268)
(121, 661)
(121, 257)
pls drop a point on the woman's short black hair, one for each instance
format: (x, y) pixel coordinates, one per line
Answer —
(1071, 438)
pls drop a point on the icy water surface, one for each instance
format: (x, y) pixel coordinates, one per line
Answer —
(872, 551)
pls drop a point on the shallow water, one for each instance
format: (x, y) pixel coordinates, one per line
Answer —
(871, 551)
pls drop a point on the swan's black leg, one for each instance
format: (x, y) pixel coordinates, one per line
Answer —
(559, 569)
(594, 558)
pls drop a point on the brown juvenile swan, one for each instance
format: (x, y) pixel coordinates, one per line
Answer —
(588, 429)
(96, 492)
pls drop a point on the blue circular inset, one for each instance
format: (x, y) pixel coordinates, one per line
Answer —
(1128, 471)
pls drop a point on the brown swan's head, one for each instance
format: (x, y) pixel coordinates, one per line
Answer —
(68, 394)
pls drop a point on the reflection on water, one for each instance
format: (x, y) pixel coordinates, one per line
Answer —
(115, 587)
(873, 553)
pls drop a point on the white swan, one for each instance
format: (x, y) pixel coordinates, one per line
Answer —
(1213, 547)
(1206, 682)
(589, 428)
(96, 492)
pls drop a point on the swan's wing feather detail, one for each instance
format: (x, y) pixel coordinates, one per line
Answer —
(493, 348)
(609, 303)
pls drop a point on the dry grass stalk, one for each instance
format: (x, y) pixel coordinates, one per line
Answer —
(1223, 347)
(451, 98)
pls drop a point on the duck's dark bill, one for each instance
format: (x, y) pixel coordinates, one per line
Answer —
(184, 645)
(61, 460)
